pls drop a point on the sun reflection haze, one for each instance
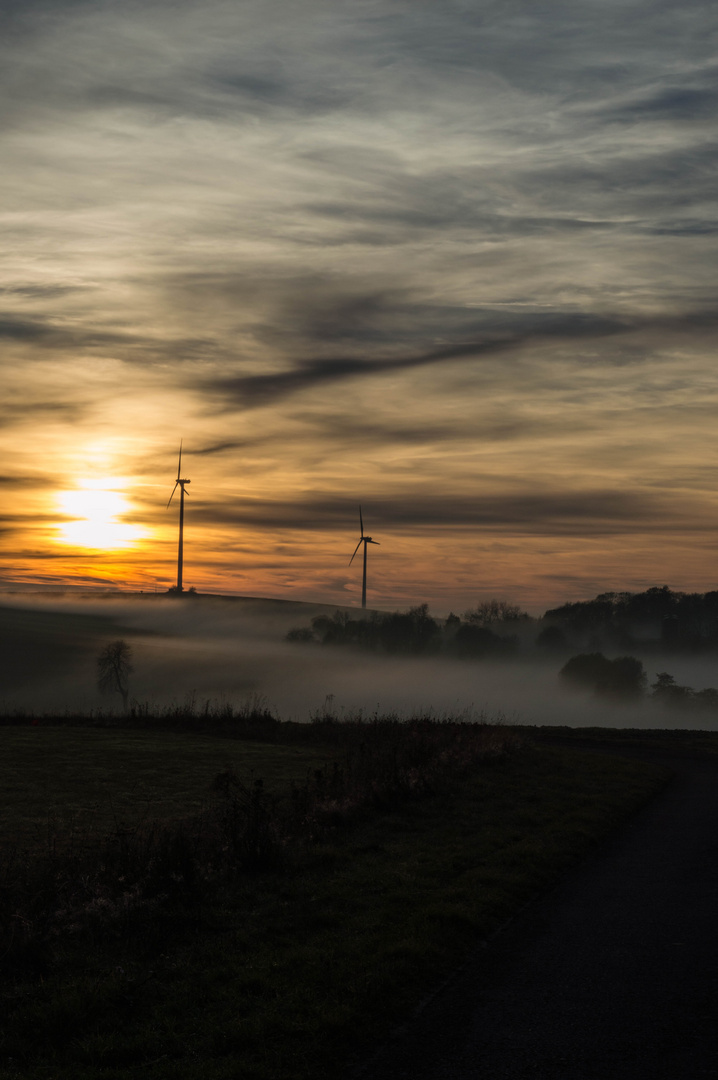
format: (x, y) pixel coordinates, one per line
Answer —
(95, 509)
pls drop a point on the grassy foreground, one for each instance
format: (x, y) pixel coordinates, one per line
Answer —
(288, 967)
(60, 780)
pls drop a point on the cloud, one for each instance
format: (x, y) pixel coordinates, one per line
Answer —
(27, 330)
(348, 430)
(44, 292)
(37, 412)
(220, 448)
(594, 512)
(21, 482)
(519, 333)
(676, 102)
(43, 331)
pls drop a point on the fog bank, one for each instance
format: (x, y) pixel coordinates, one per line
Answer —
(231, 649)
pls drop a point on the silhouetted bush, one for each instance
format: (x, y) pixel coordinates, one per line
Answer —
(620, 678)
(666, 690)
(626, 678)
(585, 670)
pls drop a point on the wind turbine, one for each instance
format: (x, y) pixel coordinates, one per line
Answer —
(363, 540)
(179, 483)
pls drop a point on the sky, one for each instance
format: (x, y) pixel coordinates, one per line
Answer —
(453, 262)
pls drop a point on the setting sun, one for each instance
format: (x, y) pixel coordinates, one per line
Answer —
(94, 511)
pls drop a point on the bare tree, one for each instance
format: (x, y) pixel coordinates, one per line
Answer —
(114, 668)
(494, 611)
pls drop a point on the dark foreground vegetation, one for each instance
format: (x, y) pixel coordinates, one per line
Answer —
(181, 903)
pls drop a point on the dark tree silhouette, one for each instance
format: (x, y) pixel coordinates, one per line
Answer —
(495, 611)
(657, 618)
(114, 668)
(623, 677)
(666, 690)
(474, 642)
(413, 631)
(552, 638)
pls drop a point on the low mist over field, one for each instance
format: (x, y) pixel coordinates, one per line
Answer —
(230, 650)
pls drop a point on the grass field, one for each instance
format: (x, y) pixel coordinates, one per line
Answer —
(54, 779)
(294, 971)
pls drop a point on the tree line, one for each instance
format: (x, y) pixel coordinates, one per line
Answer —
(655, 621)
(658, 620)
(485, 631)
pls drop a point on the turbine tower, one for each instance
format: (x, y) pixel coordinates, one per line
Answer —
(179, 483)
(363, 540)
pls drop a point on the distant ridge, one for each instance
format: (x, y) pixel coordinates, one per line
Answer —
(122, 594)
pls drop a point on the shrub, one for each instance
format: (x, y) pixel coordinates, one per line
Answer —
(623, 677)
(666, 690)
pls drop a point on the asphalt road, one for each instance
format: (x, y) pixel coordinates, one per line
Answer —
(613, 975)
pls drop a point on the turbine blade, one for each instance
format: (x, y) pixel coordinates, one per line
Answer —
(355, 551)
(361, 522)
(171, 496)
(370, 541)
(179, 463)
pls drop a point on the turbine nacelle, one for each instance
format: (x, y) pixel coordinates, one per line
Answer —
(179, 484)
(363, 540)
